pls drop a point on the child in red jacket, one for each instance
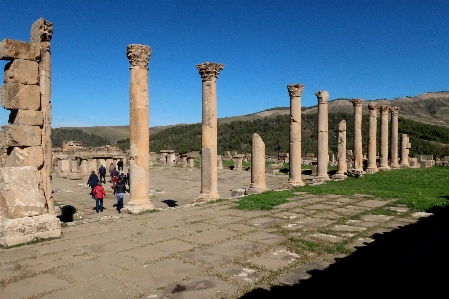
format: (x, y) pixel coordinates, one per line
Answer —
(99, 194)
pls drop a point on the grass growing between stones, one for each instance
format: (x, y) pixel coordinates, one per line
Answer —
(419, 189)
(264, 201)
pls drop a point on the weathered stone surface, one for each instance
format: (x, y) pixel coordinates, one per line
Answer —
(21, 194)
(358, 154)
(28, 156)
(200, 287)
(323, 151)
(14, 49)
(26, 117)
(20, 96)
(22, 230)
(18, 135)
(21, 71)
(275, 260)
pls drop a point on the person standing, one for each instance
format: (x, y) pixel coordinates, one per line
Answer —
(111, 168)
(99, 194)
(119, 192)
(92, 182)
(102, 173)
(120, 165)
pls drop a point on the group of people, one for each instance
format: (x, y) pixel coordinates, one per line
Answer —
(119, 182)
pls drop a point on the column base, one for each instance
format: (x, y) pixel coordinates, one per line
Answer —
(338, 176)
(384, 168)
(404, 165)
(294, 184)
(394, 166)
(137, 207)
(322, 177)
(206, 197)
(26, 229)
(372, 170)
(256, 190)
(355, 173)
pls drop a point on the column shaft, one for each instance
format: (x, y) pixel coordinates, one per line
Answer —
(258, 165)
(295, 91)
(394, 138)
(323, 148)
(404, 151)
(383, 164)
(139, 56)
(358, 154)
(342, 165)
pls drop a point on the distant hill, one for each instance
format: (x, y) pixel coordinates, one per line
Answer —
(429, 108)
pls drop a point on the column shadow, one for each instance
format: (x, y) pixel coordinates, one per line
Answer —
(409, 261)
(170, 203)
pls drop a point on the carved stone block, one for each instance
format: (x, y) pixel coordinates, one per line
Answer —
(21, 71)
(26, 117)
(28, 156)
(19, 96)
(21, 193)
(19, 135)
(14, 49)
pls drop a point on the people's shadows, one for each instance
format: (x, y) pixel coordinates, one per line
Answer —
(170, 203)
(409, 261)
(67, 212)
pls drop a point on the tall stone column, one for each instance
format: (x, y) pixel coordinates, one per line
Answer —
(139, 57)
(209, 73)
(358, 154)
(323, 148)
(383, 164)
(372, 167)
(342, 166)
(295, 91)
(404, 151)
(257, 165)
(394, 138)
(41, 33)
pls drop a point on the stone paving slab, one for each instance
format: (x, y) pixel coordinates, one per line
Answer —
(87, 270)
(302, 272)
(209, 236)
(347, 211)
(327, 215)
(319, 207)
(240, 227)
(265, 222)
(347, 228)
(264, 237)
(287, 215)
(360, 242)
(193, 227)
(110, 247)
(54, 260)
(152, 252)
(287, 205)
(315, 222)
(376, 218)
(326, 237)
(241, 274)
(223, 220)
(17, 253)
(372, 203)
(158, 235)
(151, 276)
(200, 287)
(222, 253)
(275, 259)
(32, 286)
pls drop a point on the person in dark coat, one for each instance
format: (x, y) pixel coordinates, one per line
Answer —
(102, 173)
(92, 182)
(120, 165)
(119, 192)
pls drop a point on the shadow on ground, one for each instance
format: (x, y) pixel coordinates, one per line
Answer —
(170, 203)
(410, 260)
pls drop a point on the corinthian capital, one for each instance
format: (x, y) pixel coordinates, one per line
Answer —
(384, 109)
(138, 55)
(42, 32)
(356, 102)
(373, 106)
(209, 70)
(394, 111)
(295, 90)
(322, 96)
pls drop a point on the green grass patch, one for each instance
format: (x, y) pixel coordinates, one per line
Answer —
(264, 201)
(318, 247)
(419, 189)
(146, 212)
(216, 201)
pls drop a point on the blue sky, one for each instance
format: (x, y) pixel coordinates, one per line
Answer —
(360, 48)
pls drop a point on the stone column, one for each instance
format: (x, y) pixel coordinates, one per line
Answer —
(383, 164)
(294, 178)
(372, 167)
(258, 184)
(41, 33)
(219, 162)
(358, 153)
(394, 138)
(209, 73)
(139, 57)
(404, 151)
(342, 166)
(238, 162)
(84, 167)
(190, 162)
(323, 148)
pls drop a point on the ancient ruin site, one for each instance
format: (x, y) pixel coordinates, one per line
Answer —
(354, 221)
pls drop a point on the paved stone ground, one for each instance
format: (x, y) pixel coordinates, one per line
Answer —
(194, 251)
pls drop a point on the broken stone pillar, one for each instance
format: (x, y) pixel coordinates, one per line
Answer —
(323, 148)
(394, 138)
(42, 33)
(219, 162)
(372, 167)
(238, 162)
(358, 154)
(209, 73)
(258, 184)
(139, 57)
(342, 166)
(23, 216)
(404, 151)
(294, 177)
(190, 162)
(84, 167)
(383, 163)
